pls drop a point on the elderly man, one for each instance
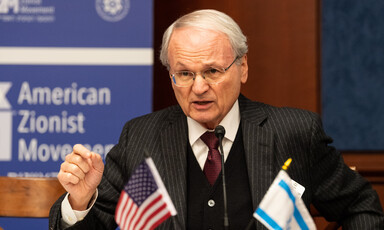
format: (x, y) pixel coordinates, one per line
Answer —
(206, 55)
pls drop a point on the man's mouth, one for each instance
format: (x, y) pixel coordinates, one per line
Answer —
(202, 102)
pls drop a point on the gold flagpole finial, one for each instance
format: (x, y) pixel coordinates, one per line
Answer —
(286, 164)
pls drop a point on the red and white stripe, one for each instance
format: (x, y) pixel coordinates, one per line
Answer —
(148, 216)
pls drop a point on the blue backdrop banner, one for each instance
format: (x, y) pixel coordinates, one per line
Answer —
(70, 72)
(353, 73)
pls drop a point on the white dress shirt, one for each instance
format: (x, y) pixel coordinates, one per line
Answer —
(230, 123)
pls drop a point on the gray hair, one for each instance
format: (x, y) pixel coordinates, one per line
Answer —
(207, 19)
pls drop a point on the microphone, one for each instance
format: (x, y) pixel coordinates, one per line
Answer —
(219, 133)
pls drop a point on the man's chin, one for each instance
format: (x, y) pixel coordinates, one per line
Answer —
(206, 122)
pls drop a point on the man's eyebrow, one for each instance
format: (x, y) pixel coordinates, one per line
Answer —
(206, 65)
(180, 67)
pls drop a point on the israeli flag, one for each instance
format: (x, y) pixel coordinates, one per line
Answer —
(282, 207)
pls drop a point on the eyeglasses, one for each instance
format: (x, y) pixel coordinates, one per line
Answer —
(211, 75)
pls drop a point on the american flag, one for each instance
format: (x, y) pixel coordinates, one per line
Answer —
(144, 202)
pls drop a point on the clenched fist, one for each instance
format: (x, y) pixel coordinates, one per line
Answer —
(80, 174)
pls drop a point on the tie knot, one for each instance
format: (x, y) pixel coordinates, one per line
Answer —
(210, 140)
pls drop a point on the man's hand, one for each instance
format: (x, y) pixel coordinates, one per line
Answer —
(80, 174)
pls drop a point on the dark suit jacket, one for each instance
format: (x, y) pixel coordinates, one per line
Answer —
(271, 135)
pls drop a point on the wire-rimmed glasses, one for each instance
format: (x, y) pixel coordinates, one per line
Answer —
(211, 75)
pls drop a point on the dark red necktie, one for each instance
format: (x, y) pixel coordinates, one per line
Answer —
(212, 166)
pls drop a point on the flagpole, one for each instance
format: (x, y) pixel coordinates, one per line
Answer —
(286, 164)
(285, 168)
(249, 226)
(177, 222)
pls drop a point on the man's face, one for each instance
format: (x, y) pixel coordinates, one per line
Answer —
(196, 50)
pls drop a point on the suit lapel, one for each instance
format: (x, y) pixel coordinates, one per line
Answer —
(174, 148)
(258, 145)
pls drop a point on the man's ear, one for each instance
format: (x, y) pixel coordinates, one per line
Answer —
(244, 69)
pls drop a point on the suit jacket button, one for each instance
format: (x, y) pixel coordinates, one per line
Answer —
(211, 203)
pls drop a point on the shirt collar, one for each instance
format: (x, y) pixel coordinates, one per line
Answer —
(230, 122)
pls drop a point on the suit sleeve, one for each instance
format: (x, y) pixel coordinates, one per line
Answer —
(101, 216)
(341, 194)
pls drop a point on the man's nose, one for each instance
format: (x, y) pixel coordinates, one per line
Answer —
(200, 85)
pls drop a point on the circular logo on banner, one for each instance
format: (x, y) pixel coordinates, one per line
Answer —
(112, 10)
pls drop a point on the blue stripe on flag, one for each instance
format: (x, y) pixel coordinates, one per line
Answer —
(296, 212)
(267, 219)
